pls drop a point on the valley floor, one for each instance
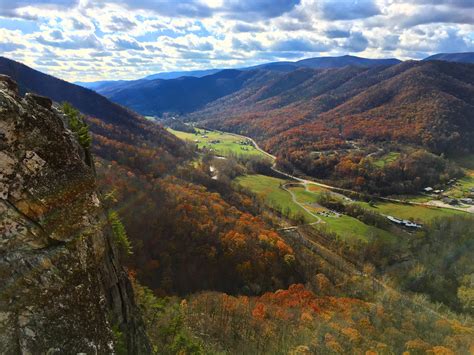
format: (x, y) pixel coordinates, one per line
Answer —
(297, 197)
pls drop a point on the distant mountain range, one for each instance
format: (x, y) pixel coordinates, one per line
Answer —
(106, 85)
(182, 95)
(119, 91)
(325, 62)
(426, 103)
(109, 87)
(179, 74)
(187, 94)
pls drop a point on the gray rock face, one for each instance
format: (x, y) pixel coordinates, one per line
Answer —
(62, 288)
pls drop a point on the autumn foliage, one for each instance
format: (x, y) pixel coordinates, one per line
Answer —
(321, 122)
(298, 321)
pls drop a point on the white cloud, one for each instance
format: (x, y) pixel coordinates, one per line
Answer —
(112, 39)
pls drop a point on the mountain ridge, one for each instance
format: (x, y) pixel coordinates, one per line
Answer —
(466, 57)
(105, 87)
(110, 123)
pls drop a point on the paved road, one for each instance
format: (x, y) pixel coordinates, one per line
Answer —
(433, 203)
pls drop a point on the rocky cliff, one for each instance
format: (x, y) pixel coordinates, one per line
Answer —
(62, 288)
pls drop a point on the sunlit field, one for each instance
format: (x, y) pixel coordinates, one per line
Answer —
(221, 143)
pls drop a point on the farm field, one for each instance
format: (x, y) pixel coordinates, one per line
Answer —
(350, 228)
(345, 226)
(222, 143)
(421, 214)
(268, 188)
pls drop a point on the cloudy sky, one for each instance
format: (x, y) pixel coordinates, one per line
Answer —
(126, 39)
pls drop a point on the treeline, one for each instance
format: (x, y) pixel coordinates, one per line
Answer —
(408, 174)
(442, 263)
(354, 210)
(298, 321)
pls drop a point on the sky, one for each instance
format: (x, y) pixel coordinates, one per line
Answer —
(88, 40)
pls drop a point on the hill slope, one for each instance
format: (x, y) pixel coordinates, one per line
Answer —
(181, 95)
(112, 124)
(327, 123)
(425, 103)
(87, 101)
(467, 57)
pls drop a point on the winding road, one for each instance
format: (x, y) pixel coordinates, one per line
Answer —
(431, 204)
(330, 255)
(306, 209)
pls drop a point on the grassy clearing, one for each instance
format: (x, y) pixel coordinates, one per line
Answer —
(268, 188)
(222, 143)
(421, 214)
(386, 159)
(346, 227)
(316, 188)
(309, 199)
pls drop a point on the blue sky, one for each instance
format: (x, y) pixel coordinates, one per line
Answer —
(126, 39)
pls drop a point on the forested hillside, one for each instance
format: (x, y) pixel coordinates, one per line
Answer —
(119, 134)
(313, 120)
(180, 95)
(422, 103)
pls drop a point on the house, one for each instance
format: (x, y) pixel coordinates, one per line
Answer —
(428, 189)
(404, 222)
(412, 225)
(450, 201)
(467, 201)
(395, 220)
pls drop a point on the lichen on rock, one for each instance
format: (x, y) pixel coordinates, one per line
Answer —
(62, 288)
